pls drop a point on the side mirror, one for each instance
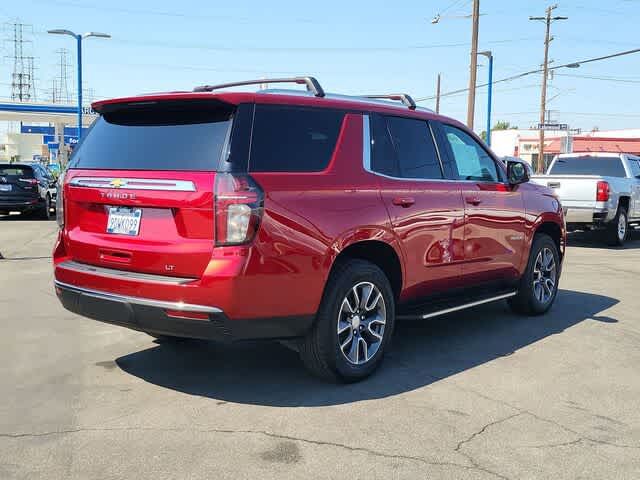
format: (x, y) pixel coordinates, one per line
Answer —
(517, 172)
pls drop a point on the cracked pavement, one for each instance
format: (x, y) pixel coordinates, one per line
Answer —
(481, 394)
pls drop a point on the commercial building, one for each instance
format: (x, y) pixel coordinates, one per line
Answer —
(525, 143)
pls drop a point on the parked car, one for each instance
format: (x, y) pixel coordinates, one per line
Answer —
(25, 188)
(51, 179)
(314, 218)
(598, 191)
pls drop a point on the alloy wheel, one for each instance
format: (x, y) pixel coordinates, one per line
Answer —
(361, 323)
(544, 276)
(622, 226)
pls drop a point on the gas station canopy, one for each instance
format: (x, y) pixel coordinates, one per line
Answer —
(44, 112)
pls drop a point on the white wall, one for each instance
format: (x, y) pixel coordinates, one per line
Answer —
(26, 145)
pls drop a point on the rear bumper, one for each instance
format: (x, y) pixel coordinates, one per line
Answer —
(149, 315)
(586, 215)
(19, 205)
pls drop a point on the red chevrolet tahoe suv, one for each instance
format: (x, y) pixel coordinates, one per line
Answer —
(311, 218)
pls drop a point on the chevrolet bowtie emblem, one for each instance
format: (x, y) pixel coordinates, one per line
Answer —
(117, 183)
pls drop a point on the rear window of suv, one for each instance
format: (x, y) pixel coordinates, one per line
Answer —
(16, 171)
(156, 136)
(588, 165)
(293, 139)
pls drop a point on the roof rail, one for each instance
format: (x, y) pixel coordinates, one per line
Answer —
(312, 84)
(402, 97)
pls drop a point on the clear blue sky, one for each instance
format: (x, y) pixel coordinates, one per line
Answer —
(352, 47)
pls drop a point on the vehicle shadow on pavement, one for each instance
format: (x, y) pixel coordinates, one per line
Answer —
(423, 352)
(597, 240)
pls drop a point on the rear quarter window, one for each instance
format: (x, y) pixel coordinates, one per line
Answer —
(293, 139)
(589, 165)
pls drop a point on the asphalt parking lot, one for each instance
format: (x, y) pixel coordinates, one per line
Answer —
(480, 394)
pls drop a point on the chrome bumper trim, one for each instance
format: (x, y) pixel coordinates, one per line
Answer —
(184, 307)
(123, 274)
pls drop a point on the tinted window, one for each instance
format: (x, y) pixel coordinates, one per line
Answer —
(471, 160)
(588, 165)
(383, 157)
(403, 148)
(290, 139)
(16, 171)
(415, 150)
(162, 136)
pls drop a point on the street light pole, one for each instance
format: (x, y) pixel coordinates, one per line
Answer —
(473, 64)
(438, 95)
(79, 38)
(489, 55)
(79, 43)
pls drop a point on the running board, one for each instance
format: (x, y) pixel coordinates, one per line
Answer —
(456, 308)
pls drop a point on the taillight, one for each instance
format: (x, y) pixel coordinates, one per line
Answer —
(60, 201)
(602, 192)
(238, 208)
(30, 181)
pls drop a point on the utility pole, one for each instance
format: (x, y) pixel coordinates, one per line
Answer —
(438, 95)
(473, 65)
(548, 20)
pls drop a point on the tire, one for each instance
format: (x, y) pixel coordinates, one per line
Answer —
(532, 299)
(618, 230)
(320, 350)
(44, 213)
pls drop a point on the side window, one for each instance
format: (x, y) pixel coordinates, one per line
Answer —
(635, 167)
(472, 161)
(416, 152)
(404, 148)
(383, 157)
(290, 139)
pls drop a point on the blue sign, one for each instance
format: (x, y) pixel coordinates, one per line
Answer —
(47, 130)
(68, 139)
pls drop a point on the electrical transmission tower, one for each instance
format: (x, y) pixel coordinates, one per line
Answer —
(22, 88)
(32, 76)
(62, 94)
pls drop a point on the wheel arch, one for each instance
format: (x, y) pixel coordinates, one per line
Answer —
(553, 230)
(381, 253)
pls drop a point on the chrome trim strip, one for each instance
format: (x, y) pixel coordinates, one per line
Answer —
(435, 144)
(123, 274)
(366, 143)
(184, 307)
(134, 183)
(469, 305)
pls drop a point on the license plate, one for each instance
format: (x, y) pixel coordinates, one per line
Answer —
(124, 221)
(5, 188)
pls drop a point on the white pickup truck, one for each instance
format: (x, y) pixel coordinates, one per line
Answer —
(598, 191)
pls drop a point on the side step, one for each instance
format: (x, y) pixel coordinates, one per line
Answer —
(442, 308)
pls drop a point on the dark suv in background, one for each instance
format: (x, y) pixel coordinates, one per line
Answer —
(26, 188)
(319, 219)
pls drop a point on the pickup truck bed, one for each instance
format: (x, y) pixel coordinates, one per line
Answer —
(596, 190)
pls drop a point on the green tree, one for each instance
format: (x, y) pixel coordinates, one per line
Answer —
(503, 125)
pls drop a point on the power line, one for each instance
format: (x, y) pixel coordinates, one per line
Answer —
(363, 49)
(606, 79)
(539, 70)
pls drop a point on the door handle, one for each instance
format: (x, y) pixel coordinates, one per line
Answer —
(475, 201)
(404, 202)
